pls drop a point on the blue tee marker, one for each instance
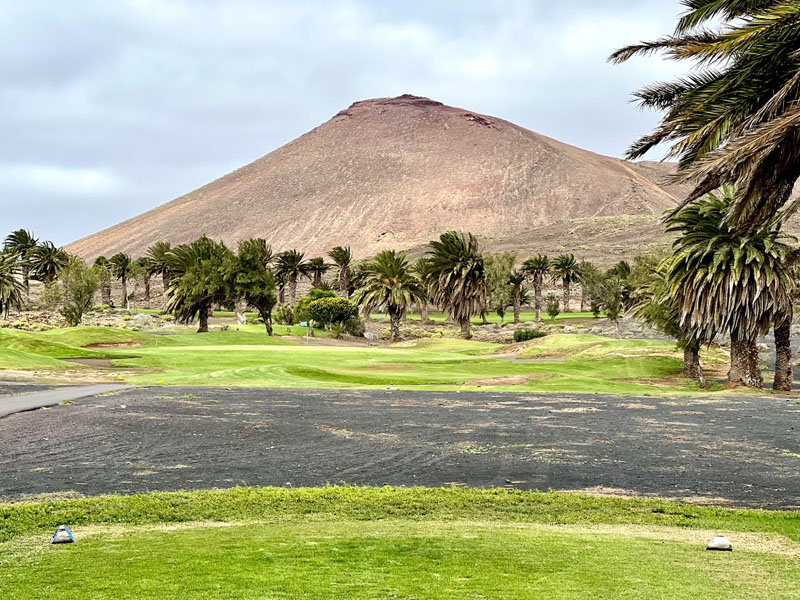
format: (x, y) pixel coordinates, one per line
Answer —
(62, 536)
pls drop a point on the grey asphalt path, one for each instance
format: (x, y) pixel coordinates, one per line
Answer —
(10, 405)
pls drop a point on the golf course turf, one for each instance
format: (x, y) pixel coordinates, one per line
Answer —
(340, 542)
(248, 358)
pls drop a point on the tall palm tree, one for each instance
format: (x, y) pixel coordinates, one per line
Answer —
(198, 280)
(342, 258)
(457, 275)
(517, 282)
(22, 244)
(537, 268)
(291, 266)
(390, 282)
(565, 269)
(159, 263)
(121, 266)
(727, 282)
(734, 118)
(142, 265)
(46, 260)
(104, 267)
(12, 289)
(317, 267)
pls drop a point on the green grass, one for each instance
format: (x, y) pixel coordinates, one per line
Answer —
(343, 542)
(247, 357)
(525, 317)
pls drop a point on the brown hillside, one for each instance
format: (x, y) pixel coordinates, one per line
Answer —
(396, 172)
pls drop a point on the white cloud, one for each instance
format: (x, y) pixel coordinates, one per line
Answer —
(58, 180)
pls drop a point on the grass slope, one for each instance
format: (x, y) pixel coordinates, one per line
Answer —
(390, 542)
(571, 363)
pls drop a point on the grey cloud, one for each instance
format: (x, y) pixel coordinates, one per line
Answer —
(147, 99)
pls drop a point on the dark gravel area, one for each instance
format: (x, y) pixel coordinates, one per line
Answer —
(735, 451)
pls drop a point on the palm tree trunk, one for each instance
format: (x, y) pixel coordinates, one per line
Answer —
(483, 317)
(784, 375)
(744, 363)
(125, 291)
(282, 294)
(517, 307)
(423, 312)
(317, 279)
(466, 334)
(691, 364)
(343, 282)
(26, 274)
(147, 291)
(105, 292)
(165, 279)
(292, 284)
(537, 292)
(394, 316)
(203, 318)
(566, 295)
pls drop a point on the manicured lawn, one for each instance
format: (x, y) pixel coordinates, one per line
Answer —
(571, 363)
(525, 317)
(392, 542)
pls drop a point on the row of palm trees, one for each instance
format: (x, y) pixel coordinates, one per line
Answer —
(733, 121)
(31, 259)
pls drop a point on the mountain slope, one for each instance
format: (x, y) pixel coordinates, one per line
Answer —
(396, 172)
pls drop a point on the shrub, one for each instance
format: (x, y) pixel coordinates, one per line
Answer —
(354, 327)
(327, 311)
(284, 315)
(523, 335)
(301, 307)
(553, 306)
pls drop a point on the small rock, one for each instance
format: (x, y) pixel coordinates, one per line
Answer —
(720, 543)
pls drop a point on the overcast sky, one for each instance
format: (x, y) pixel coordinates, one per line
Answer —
(109, 108)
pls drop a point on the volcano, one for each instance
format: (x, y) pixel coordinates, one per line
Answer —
(397, 172)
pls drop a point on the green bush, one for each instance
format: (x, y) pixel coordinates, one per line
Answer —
(354, 327)
(523, 335)
(301, 313)
(329, 310)
(284, 315)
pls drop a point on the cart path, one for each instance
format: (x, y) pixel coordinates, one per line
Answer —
(17, 403)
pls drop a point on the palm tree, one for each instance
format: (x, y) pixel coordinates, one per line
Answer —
(292, 266)
(565, 269)
(537, 268)
(342, 258)
(142, 265)
(104, 266)
(12, 289)
(390, 282)
(22, 244)
(727, 282)
(198, 280)
(159, 264)
(121, 266)
(317, 267)
(734, 118)
(457, 277)
(46, 260)
(517, 282)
